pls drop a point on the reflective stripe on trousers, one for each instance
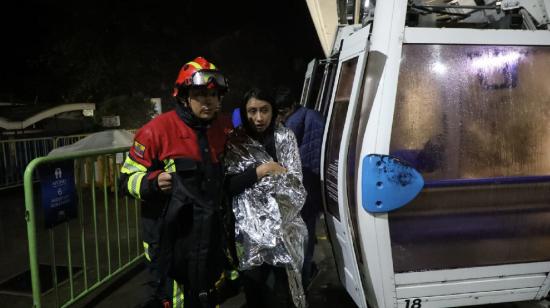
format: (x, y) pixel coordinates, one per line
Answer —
(177, 296)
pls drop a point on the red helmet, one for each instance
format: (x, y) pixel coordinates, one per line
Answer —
(199, 73)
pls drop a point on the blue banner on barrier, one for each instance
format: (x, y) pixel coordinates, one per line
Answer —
(58, 192)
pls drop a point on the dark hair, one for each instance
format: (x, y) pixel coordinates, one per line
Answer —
(264, 94)
(284, 98)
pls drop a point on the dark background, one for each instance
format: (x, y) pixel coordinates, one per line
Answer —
(91, 51)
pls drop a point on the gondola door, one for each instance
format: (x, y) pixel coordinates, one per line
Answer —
(350, 70)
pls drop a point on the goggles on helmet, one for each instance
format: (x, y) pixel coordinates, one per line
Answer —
(207, 78)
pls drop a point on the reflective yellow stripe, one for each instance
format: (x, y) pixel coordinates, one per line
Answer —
(177, 295)
(134, 184)
(169, 165)
(195, 65)
(146, 251)
(174, 294)
(219, 283)
(130, 166)
(234, 275)
(212, 66)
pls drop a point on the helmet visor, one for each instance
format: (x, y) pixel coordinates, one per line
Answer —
(207, 78)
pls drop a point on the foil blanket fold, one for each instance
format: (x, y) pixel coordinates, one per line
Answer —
(268, 225)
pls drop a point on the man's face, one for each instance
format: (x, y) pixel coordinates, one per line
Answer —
(284, 113)
(204, 103)
(259, 114)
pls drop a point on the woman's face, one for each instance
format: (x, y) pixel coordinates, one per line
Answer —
(259, 114)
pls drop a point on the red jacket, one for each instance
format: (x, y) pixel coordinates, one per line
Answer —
(163, 141)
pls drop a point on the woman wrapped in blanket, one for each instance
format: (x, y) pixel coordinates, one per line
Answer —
(264, 178)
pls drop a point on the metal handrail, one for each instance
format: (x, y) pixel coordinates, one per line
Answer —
(30, 218)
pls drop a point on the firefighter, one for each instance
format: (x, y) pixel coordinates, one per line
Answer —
(174, 168)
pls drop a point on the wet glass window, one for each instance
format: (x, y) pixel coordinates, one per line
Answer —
(334, 137)
(475, 121)
(470, 112)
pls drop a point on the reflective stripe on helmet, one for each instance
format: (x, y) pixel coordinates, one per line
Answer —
(195, 65)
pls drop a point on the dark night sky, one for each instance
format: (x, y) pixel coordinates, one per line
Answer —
(67, 51)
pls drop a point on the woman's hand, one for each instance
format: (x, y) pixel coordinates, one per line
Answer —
(270, 168)
(165, 182)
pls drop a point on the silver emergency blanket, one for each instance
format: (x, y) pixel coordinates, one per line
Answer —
(268, 225)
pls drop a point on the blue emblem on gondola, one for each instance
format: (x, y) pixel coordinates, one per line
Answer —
(388, 183)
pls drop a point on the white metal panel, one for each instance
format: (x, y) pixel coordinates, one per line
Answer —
(469, 299)
(329, 219)
(386, 37)
(470, 285)
(343, 33)
(472, 273)
(353, 47)
(545, 288)
(476, 36)
(327, 124)
(370, 237)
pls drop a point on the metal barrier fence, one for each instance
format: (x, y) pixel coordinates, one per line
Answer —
(99, 244)
(16, 154)
(61, 141)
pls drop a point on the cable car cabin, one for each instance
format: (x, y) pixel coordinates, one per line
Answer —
(436, 155)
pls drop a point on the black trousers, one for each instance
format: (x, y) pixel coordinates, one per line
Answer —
(266, 286)
(158, 286)
(307, 268)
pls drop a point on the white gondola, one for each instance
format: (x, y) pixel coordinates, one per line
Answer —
(467, 108)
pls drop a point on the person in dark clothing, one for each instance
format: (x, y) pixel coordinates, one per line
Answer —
(264, 179)
(308, 126)
(174, 168)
